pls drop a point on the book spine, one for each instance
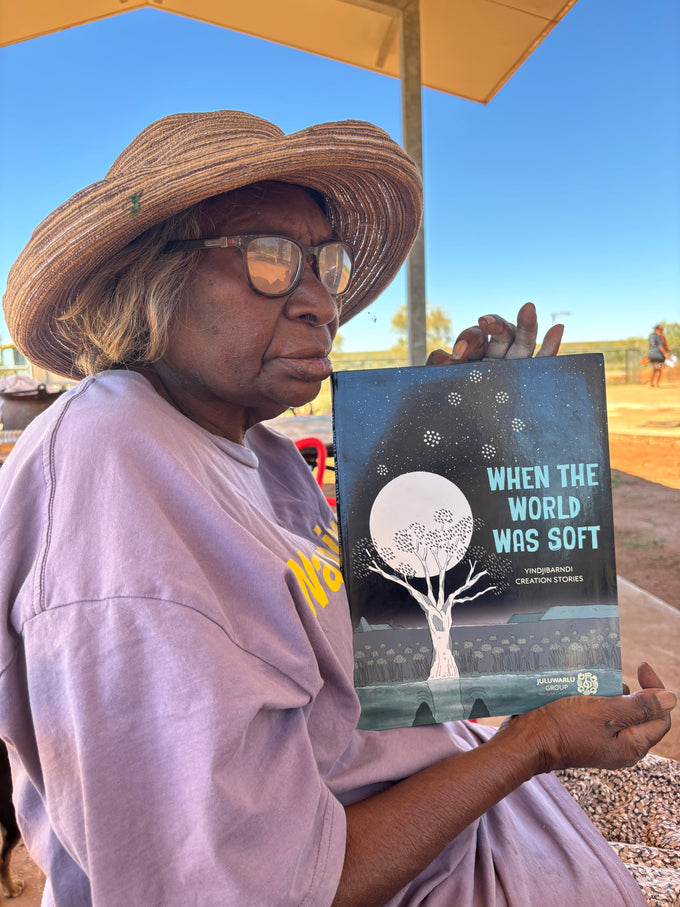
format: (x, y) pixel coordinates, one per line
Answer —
(336, 471)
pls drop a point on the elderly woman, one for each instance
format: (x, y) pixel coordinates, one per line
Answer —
(182, 727)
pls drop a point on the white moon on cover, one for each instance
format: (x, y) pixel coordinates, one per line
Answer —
(415, 497)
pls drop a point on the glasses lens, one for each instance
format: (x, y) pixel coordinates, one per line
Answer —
(335, 267)
(273, 264)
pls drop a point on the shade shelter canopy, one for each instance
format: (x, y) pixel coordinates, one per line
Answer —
(467, 48)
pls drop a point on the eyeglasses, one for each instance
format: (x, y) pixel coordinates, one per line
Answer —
(274, 264)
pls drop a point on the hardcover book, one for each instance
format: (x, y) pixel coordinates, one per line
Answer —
(476, 530)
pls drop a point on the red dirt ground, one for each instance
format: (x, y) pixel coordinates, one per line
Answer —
(647, 512)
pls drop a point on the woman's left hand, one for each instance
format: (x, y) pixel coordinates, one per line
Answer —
(594, 731)
(496, 338)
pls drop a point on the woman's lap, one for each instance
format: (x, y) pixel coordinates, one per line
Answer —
(537, 840)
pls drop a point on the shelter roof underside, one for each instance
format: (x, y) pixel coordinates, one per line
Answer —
(469, 48)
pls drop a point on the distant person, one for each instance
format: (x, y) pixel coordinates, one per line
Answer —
(657, 354)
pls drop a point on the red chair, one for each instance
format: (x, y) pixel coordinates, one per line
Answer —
(319, 463)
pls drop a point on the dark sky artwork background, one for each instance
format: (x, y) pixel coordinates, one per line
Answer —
(456, 421)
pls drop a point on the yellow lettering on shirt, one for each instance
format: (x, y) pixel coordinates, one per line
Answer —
(331, 542)
(328, 556)
(321, 571)
(309, 581)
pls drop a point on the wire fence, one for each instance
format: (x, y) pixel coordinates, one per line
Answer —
(622, 365)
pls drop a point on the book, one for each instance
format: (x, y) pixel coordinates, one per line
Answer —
(477, 540)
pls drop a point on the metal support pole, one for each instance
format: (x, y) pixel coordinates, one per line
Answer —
(411, 112)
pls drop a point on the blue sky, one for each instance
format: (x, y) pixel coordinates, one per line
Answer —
(563, 190)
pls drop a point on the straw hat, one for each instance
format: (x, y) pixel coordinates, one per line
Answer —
(372, 188)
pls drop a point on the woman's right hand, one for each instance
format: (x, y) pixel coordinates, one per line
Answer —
(594, 731)
(496, 338)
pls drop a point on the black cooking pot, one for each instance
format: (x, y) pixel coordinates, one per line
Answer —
(18, 408)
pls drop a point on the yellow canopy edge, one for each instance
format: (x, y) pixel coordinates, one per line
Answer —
(469, 48)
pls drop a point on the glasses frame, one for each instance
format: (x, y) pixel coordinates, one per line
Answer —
(242, 242)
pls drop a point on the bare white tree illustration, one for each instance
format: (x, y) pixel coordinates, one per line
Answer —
(436, 548)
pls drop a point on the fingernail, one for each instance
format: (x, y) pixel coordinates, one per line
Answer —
(460, 348)
(666, 699)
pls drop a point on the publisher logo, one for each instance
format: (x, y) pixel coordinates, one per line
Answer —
(586, 683)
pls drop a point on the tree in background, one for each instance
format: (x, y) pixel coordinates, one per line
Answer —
(671, 333)
(437, 329)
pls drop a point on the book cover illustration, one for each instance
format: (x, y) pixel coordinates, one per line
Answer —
(475, 519)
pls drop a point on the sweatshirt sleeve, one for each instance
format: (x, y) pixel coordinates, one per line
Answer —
(192, 777)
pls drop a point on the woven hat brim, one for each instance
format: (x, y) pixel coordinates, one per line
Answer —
(373, 192)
